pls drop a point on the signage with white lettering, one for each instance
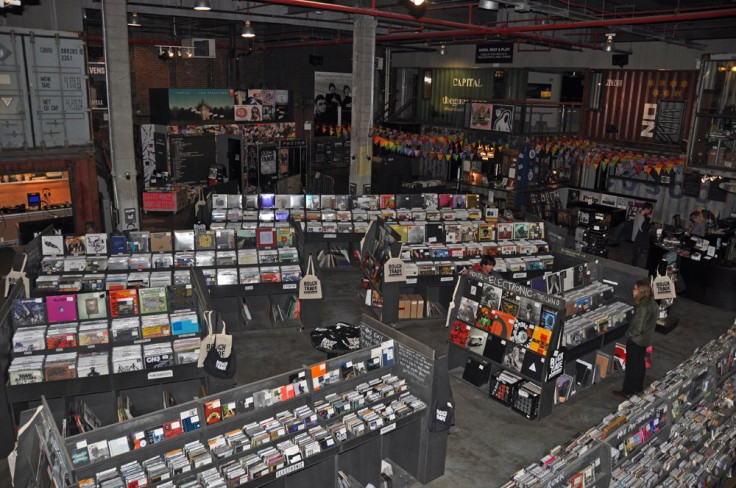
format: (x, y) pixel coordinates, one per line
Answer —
(525, 291)
(497, 52)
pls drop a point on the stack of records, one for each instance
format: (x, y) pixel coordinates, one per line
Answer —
(158, 355)
(504, 386)
(93, 364)
(127, 358)
(25, 370)
(60, 366)
(125, 329)
(29, 339)
(527, 399)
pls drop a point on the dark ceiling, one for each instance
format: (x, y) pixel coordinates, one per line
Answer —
(561, 24)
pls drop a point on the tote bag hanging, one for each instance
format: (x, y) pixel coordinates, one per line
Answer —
(224, 341)
(663, 287)
(218, 366)
(310, 288)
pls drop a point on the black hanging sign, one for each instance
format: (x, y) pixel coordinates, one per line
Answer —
(497, 52)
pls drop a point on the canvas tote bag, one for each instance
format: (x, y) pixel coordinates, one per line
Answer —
(224, 341)
(310, 288)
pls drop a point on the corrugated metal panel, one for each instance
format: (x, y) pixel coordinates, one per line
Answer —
(451, 88)
(57, 79)
(630, 101)
(15, 122)
(516, 81)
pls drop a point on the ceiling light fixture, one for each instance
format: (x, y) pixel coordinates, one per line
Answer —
(202, 5)
(248, 31)
(609, 46)
(133, 20)
(442, 49)
(170, 52)
(488, 5)
(417, 2)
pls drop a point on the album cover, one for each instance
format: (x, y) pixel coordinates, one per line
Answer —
(540, 340)
(522, 333)
(118, 244)
(484, 318)
(502, 324)
(509, 306)
(504, 232)
(583, 373)
(514, 357)
(96, 243)
(98, 451)
(74, 245)
(123, 302)
(139, 241)
(548, 318)
(476, 341)
(52, 245)
(265, 237)
(554, 286)
(204, 240)
(476, 372)
(467, 310)
(491, 296)
(459, 333)
(529, 310)
(183, 240)
(521, 230)
(152, 300)
(536, 230)
(563, 388)
(567, 279)
(459, 201)
(486, 232)
(61, 308)
(28, 311)
(532, 366)
(92, 305)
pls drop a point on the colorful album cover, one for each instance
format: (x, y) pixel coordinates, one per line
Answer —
(28, 311)
(502, 324)
(548, 318)
(486, 232)
(509, 306)
(459, 333)
(61, 308)
(152, 300)
(521, 230)
(118, 245)
(123, 302)
(484, 318)
(74, 244)
(504, 232)
(92, 305)
(540, 340)
(536, 230)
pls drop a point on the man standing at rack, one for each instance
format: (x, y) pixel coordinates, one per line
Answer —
(484, 266)
(640, 233)
(639, 338)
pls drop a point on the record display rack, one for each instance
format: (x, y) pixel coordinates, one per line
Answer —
(379, 245)
(533, 347)
(299, 429)
(144, 386)
(680, 431)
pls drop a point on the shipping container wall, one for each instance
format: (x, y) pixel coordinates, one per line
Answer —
(15, 113)
(645, 107)
(49, 74)
(442, 93)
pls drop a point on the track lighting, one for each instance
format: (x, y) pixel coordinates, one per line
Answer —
(133, 20)
(202, 5)
(170, 52)
(248, 31)
(609, 46)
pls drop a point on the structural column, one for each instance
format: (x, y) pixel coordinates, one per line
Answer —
(361, 145)
(120, 108)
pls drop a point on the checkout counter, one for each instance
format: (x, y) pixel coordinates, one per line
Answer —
(706, 266)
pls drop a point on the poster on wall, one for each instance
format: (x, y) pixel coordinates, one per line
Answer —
(200, 105)
(503, 118)
(480, 116)
(333, 100)
(248, 113)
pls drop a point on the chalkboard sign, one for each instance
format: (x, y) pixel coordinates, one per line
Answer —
(191, 157)
(668, 124)
(415, 367)
(691, 185)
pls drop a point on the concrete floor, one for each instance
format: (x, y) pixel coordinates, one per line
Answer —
(489, 442)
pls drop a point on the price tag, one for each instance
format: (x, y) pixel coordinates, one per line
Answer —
(249, 287)
(447, 278)
(156, 375)
(520, 275)
(388, 428)
(290, 286)
(411, 281)
(330, 236)
(82, 444)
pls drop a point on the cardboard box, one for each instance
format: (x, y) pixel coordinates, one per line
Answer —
(404, 307)
(417, 306)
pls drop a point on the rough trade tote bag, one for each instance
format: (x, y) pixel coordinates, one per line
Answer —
(224, 341)
(310, 288)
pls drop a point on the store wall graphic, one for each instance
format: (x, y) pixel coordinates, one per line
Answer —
(333, 96)
(450, 90)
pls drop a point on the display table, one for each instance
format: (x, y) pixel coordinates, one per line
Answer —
(709, 282)
(164, 201)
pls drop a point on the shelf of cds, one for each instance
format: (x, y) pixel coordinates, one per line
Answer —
(680, 432)
(297, 429)
(98, 344)
(533, 347)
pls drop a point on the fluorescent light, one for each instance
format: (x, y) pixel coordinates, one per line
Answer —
(488, 5)
(202, 5)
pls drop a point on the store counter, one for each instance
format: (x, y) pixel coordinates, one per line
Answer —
(709, 282)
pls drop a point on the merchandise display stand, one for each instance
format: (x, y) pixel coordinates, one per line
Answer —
(144, 386)
(379, 245)
(533, 347)
(681, 428)
(303, 428)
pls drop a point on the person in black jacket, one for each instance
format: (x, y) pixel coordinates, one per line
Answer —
(639, 338)
(640, 233)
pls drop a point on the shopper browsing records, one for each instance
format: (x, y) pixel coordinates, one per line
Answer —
(484, 266)
(698, 225)
(640, 233)
(639, 338)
